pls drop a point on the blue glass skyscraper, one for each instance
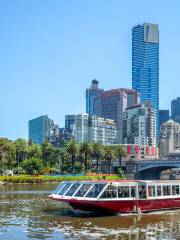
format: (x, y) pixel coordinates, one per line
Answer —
(145, 65)
(39, 129)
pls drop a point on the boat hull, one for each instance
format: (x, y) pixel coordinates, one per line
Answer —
(123, 206)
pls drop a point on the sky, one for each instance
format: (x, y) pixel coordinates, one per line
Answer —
(50, 50)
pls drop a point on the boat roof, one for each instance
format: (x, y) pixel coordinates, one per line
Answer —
(127, 180)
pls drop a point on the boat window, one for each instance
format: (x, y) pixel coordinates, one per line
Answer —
(72, 189)
(58, 188)
(64, 188)
(133, 191)
(123, 191)
(110, 192)
(151, 191)
(95, 190)
(159, 192)
(175, 190)
(142, 191)
(83, 190)
(166, 190)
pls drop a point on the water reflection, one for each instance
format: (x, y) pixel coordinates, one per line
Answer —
(30, 214)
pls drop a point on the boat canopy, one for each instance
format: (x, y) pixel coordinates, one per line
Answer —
(121, 190)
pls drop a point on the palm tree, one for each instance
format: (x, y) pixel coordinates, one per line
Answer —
(109, 156)
(72, 150)
(120, 152)
(47, 153)
(86, 150)
(97, 151)
(81, 155)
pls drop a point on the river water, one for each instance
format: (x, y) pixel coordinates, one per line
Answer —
(27, 213)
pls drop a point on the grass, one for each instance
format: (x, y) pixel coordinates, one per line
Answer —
(49, 179)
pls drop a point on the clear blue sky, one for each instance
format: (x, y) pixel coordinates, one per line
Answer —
(50, 50)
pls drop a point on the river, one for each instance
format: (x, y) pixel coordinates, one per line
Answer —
(27, 213)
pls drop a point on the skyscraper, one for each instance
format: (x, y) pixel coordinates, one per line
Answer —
(145, 64)
(163, 116)
(69, 122)
(111, 104)
(91, 93)
(39, 129)
(175, 109)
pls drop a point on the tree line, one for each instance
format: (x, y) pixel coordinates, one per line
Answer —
(23, 156)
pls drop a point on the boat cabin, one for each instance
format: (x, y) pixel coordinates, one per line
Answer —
(117, 190)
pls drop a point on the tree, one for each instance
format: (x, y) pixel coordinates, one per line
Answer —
(120, 152)
(47, 153)
(33, 166)
(7, 154)
(109, 156)
(121, 173)
(72, 151)
(21, 146)
(81, 155)
(97, 151)
(86, 150)
(64, 158)
(34, 150)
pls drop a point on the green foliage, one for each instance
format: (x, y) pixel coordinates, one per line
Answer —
(97, 152)
(21, 146)
(121, 173)
(47, 179)
(7, 154)
(86, 151)
(24, 157)
(47, 153)
(34, 150)
(33, 166)
(109, 156)
(72, 150)
(120, 152)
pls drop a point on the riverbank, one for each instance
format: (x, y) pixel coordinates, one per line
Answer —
(50, 179)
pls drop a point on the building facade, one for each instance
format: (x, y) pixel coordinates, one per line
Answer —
(39, 129)
(70, 123)
(91, 128)
(175, 110)
(139, 125)
(145, 64)
(169, 138)
(91, 93)
(111, 104)
(163, 116)
(60, 138)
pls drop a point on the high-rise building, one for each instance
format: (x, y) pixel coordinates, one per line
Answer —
(70, 123)
(111, 104)
(61, 137)
(39, 129)
(91, 128)
(175, 109)
(145, 64)
(169, 138)
(91, 93)
(139, 125)
(163, 116)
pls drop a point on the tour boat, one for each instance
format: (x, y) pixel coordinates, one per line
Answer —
(121, 196)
